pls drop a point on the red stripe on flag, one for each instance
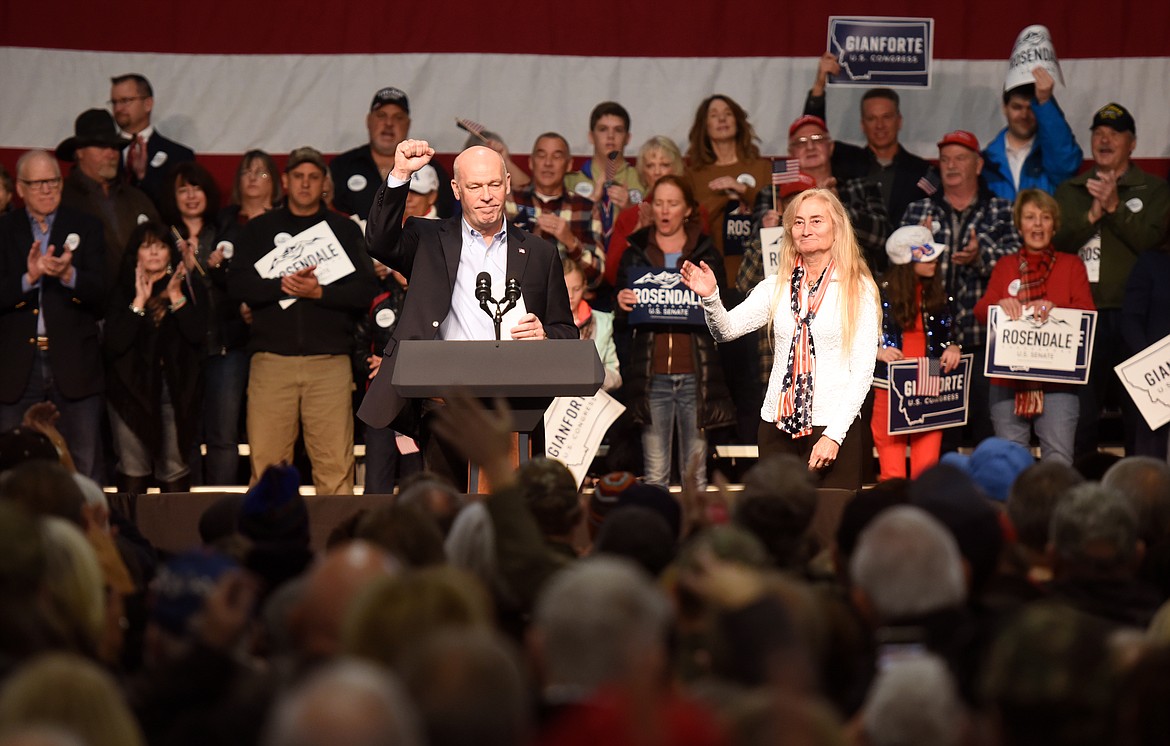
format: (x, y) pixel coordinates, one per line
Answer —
(929, 381)
(788, 174)
(969, 29)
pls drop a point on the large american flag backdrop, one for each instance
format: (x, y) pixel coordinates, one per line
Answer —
(229, 76)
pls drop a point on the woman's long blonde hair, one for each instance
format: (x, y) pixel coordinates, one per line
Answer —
(857, 286)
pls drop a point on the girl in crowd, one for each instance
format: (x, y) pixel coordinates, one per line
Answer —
(155, 337)
(1038, 279)
(823, 308)
(675, 382)
(595, 325)
(916, 322)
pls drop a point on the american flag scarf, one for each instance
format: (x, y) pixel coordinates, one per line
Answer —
(794, 415)
(1035, 266)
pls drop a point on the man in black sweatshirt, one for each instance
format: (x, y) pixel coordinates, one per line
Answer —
(305, 291)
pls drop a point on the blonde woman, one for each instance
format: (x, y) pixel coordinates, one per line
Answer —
(823, 309)
(657, 157)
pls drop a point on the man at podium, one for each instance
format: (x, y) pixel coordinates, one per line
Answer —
(451, 264)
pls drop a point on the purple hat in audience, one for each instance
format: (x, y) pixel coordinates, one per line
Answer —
(273, 509)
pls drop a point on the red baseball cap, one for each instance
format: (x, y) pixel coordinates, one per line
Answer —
(960, 137)
(807, 119)
(802, 183)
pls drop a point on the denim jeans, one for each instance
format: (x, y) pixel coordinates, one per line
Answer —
(225, 380)
(137, 459)
(673, 408)
(80, 423)
(1056, 428)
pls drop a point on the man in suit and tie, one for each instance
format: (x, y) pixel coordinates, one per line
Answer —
(149, 156)
(441, 260)
(51, 297)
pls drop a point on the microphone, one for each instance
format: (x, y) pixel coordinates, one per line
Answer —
(512, 290)
(511, 295)
(483, 287)
(483, 291)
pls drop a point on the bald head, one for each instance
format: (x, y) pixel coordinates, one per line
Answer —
(482, 157)
(330, 587)
(481, 185)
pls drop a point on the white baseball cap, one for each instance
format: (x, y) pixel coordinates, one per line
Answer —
(425, 180)
(913, 243)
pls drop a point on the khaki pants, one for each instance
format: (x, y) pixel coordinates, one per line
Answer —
(285, 391)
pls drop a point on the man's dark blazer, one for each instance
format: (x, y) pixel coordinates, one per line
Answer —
(427, 253)
(71, 314)
(152, 181)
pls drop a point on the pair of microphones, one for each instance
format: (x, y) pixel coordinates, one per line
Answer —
(496, 308)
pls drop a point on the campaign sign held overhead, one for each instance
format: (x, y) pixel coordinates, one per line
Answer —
(892, 52)
(663, 298)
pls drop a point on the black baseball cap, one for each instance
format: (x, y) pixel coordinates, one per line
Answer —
(1114, 116)
(390, 95)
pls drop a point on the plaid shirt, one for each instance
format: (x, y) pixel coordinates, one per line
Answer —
(523, 206)
(991, 217)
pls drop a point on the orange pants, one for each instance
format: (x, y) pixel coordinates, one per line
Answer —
(891, 449)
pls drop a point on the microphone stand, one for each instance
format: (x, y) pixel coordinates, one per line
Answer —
(503, 306)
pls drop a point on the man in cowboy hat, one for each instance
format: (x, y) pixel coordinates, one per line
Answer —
(93, 187)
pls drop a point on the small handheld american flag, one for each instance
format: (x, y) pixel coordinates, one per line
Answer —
(929, 183)
(473, 127)
(785, 171)
(611, 166)
(929, 377)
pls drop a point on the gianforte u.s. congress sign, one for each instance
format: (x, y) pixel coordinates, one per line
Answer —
(894, 52)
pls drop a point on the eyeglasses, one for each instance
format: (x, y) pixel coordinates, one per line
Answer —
(126, 101)
(256, 173)
(803, 142)
(42, 185)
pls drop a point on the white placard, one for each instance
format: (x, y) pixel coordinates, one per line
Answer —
(1090, 254)
(316, 246)
(770, 246)
(574, 427)
(1146, 377)
(1026, 343)
(1033, 48)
